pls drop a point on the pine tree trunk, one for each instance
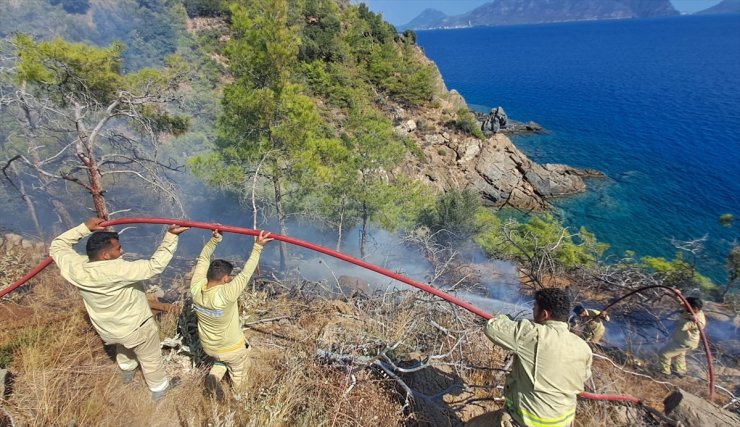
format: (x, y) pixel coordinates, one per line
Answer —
(281, 217)
(363, 230)
(29, 204)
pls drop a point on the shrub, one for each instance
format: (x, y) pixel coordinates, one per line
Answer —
(467, 123)
(454, 215)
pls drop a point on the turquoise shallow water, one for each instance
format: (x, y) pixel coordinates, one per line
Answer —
(653, 103)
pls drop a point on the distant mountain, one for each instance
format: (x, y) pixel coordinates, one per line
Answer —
(726, 6)
(425, 19)
(511, 12)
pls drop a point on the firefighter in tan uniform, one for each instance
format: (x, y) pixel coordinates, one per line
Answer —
(593, 323)
(550, 366)
(685, 338)
(114, 296)
(215, 296)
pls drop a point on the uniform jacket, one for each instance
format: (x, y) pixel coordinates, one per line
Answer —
(551, 364)
(111, 290)
(687, 333)
(219, 327)
(595, 326)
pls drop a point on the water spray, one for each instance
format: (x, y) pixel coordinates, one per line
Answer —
(424, 287)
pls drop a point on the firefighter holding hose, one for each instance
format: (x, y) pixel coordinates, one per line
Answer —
(114, 296)
(215, 301)
(550, 365)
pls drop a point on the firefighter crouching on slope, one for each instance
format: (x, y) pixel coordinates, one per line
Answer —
(215, 296)
(550, 365)
(685, 337)
(114, 296)
(593, 321)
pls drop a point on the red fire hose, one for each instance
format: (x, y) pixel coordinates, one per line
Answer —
(339, 255)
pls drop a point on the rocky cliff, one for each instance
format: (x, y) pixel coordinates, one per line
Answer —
(510, 12)
(494, 166)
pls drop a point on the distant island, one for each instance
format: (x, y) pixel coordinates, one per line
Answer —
(725, 7)
(513, 12)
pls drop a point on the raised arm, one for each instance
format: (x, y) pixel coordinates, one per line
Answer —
(233, 289)
(204, 261)
(147, 268)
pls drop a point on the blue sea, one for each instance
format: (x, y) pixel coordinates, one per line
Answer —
(653, 103)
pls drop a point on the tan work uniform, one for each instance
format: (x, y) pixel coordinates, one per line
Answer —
(686, 337)
(116, 302)
(594, 328)
(219, 327)
(551, 364)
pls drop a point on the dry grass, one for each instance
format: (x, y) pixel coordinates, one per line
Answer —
(63, 375)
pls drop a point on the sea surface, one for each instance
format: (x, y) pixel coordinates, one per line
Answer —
(653, 103)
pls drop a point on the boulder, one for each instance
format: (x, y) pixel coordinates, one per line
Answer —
(691, 410)
(468, 150)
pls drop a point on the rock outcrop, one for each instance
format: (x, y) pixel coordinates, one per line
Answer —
(690, 410)
(495, 168)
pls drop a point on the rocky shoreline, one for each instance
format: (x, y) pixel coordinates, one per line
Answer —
(494, 167)
(452, 158)
(513, 127)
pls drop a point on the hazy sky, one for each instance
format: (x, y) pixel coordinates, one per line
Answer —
(399, 12)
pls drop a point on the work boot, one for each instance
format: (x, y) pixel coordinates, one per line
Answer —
(213, 387)
(158, 395)
(126, 376)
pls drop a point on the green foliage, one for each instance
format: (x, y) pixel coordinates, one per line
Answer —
(400, 74)
(75, 72)
(467, 123)
(541, 235)
(678, 273)
(61, 68)
(380, 31)
(164, 122)
(453, 217)
(149, 29)
(409, 36)
(334, 83)
(413, 83)
(386, 60)
(217, 172)
(400, 203)
(264, 46)
(489, 234)
(320, 37)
